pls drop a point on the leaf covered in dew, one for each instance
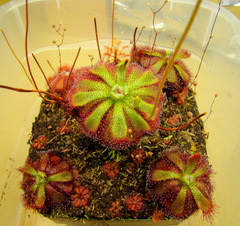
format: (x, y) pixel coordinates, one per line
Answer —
(179, 77)
(180, 181)
(48, 179)
(114, 99)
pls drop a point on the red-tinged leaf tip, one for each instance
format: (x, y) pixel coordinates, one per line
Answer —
(205, 204)
(28, 169)
(55, 160)
(179, 202)
(60, 177)
(183, 54)
(40, 197)
(175, 158)
(43, 161)
(192, 162)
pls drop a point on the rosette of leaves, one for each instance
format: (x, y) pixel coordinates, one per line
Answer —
(61, 83)
(179, 77)
(46, 181)
(180, 181)
(114, 103)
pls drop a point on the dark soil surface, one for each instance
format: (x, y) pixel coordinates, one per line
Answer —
(89, 158)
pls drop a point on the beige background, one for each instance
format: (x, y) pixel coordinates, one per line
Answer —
(235, 9)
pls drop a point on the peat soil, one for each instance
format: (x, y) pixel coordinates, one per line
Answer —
(89, 157)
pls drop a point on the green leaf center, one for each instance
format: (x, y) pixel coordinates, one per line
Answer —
(41, 178)
(118, 92)
(187, 179)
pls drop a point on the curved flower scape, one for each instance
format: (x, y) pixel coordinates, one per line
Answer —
(180, 181)
(157, 59)
(47, 180)
(114, 102)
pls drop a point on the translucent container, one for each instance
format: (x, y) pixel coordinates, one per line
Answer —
(219, 75)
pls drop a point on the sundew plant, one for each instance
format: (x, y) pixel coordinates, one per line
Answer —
(117, 100)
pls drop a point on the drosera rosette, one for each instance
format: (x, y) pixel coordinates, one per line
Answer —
(39, 142)
(47, 181)
(157, 215)
(180, 181)
(111, 169)
(134, 203)
(64, 80)
(57, 83)
(178, 79)
(115, 208)
(113, 103)
(80, 196)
